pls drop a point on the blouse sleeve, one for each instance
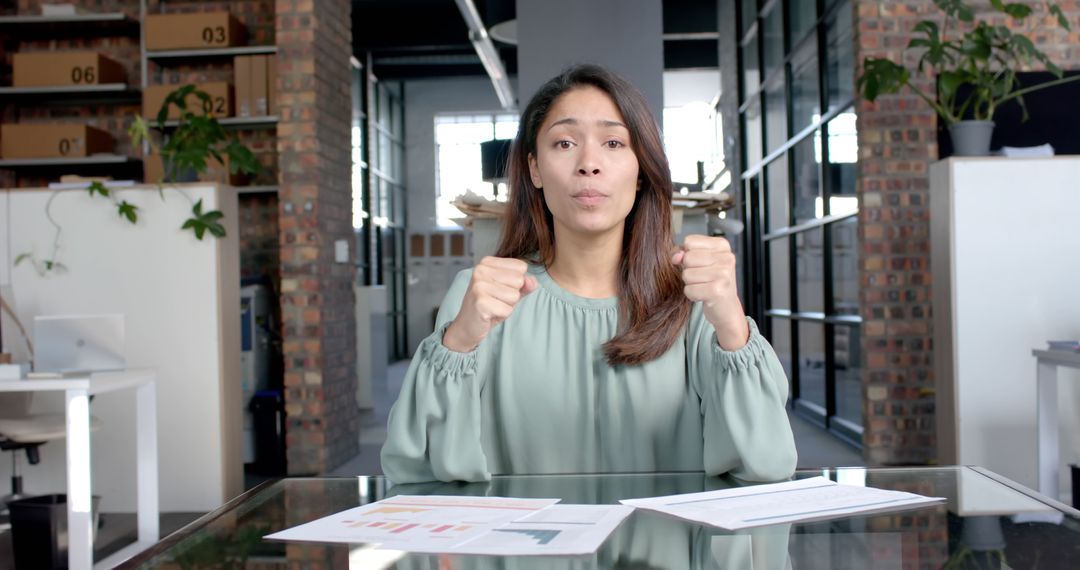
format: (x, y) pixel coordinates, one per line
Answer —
(433, 432)
(743, 396)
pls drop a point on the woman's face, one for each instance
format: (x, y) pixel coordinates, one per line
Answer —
(584, 164)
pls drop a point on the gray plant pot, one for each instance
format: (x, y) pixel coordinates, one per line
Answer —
(971, 138)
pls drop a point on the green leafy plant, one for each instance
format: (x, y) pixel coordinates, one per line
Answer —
(194, 139)
(202, 223)
(186, 145)
(963, 52)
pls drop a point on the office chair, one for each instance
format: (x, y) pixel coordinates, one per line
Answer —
(21, 430)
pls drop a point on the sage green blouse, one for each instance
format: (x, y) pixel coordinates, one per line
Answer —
(537, 396)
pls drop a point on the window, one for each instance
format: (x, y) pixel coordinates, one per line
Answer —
(457, 159)
(687, 142)
(808, 207)
(378, 168)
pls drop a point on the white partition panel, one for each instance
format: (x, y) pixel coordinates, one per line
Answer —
(1005, 257)
(180, 297)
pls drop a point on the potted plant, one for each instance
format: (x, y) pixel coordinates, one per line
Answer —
(976, 65)
(186, 146)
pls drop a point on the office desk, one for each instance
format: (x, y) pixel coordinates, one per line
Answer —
(77, 393)
(986, 517)
(1047, 363)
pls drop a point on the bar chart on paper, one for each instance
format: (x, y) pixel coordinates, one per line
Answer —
(395, 527)
(467, 525)
(418, 524)
(538, 536)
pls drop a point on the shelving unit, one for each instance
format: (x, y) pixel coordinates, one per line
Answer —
(71, 94)
(77, 19)
(151, 63)
(64, 161)
(18, 28)
(256, 189)
(29, 25)
(237, 123)
(167, 58)
(211, 52)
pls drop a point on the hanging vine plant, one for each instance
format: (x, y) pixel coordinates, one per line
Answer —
(187, 147)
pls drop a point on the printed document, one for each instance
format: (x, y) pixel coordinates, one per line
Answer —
(467, 525)
(794, 501)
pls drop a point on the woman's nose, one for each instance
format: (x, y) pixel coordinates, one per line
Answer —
(587, 164)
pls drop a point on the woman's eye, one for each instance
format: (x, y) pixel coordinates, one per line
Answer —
(565, 145)
(614, 144)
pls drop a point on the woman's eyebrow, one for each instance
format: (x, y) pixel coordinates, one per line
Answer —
(601, 123)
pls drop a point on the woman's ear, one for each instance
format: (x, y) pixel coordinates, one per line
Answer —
(534, 172)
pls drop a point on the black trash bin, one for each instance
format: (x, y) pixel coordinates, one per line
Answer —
(1074, 472)
(268, 419)
(39, 532)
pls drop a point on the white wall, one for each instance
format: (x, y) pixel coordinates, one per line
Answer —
(180, 298)
(624, 35)
(430, 278)
(1006, 269)
(423, 100)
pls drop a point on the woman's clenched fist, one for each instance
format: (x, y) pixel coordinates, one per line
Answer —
(708, 272)
(496, 286)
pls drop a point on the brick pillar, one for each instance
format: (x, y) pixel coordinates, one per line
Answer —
(897, 142)
(314, 42)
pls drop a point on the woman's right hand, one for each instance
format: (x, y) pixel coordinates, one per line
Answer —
(497, 284)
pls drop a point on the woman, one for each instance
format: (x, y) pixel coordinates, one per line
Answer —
(589, 342)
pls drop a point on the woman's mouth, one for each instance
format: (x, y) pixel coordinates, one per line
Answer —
(589, 198)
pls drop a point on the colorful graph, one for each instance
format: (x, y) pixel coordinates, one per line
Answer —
(395, 510)
(398, 527)
(542, 537)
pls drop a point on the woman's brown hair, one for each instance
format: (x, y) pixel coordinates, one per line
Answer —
(652, 306)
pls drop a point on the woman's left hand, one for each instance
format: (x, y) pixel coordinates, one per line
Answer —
(708, 272)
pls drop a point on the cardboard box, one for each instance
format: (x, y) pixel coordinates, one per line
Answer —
(271, 85)
(193, 31)
(220, 92)
(258, 85)
(53, 140)
(245, 105)
(47, 69)
(154, 172)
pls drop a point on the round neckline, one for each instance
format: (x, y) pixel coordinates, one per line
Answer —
(553, 289)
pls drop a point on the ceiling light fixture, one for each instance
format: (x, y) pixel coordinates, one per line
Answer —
(487, 53)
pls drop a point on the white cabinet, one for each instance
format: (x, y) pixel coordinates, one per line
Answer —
(1005, 257)
(181, 301)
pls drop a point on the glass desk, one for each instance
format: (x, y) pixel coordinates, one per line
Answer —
(987, 522)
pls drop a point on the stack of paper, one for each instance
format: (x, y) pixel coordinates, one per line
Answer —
(468, 525)
(523, 527)
(795, 501)
(1027, 151)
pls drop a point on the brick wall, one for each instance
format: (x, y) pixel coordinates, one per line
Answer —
(897, 142)
(259, 236)
(314, 44)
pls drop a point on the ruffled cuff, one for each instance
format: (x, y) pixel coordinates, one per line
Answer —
(751, 353)
(444, 360)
